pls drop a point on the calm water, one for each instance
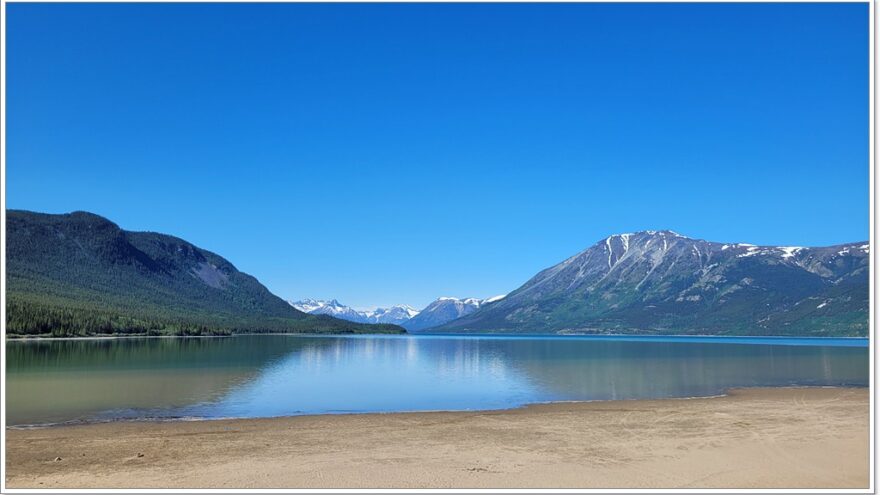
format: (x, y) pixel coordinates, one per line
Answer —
(274, 375)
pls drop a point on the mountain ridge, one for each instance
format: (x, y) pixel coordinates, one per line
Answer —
(661, 282)
(439, 311)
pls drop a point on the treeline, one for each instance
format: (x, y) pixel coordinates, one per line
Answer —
(54, 317)
(25, 318)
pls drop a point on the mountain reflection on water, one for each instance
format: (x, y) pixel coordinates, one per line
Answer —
(274, 375)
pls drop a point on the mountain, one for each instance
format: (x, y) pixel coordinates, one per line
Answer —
(393, 315)
(660, 282)
(80, 274)
(332, 308)
(445, 309)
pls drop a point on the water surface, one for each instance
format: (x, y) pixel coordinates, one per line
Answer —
(276, 375)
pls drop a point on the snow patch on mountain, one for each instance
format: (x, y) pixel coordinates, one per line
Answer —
(789, 251)
(494, 298)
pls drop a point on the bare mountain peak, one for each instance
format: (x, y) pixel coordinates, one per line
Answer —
(647, 233)
(645, 238)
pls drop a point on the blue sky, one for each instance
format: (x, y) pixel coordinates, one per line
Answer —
(385, 154)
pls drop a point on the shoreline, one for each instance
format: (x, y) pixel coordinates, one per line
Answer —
(781, 437)
(170, 419)
(26, 338)
(597, 336)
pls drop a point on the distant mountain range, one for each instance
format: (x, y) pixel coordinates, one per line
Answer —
(394, 315)
(80, 274)
(440, 311)
(660, 282)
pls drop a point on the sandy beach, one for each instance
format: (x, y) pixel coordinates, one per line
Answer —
(751, 438)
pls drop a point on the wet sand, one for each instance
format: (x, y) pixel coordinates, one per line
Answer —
(751, 438)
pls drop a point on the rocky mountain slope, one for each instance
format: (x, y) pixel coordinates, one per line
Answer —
(660, 282)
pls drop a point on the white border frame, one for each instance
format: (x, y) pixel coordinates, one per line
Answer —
(872, 288)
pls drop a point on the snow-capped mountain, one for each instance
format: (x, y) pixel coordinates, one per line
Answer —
(441, 311)
(309, 305)
(446, 309)
(395, 314)
(663, 282)
(332, 308)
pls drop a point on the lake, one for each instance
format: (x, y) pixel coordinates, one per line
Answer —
(275, 375)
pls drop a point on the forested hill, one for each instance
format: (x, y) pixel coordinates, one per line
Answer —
(80, 274)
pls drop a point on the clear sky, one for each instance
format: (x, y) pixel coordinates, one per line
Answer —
(384, 154)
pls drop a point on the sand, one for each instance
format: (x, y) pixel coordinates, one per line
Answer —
(751, 438)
